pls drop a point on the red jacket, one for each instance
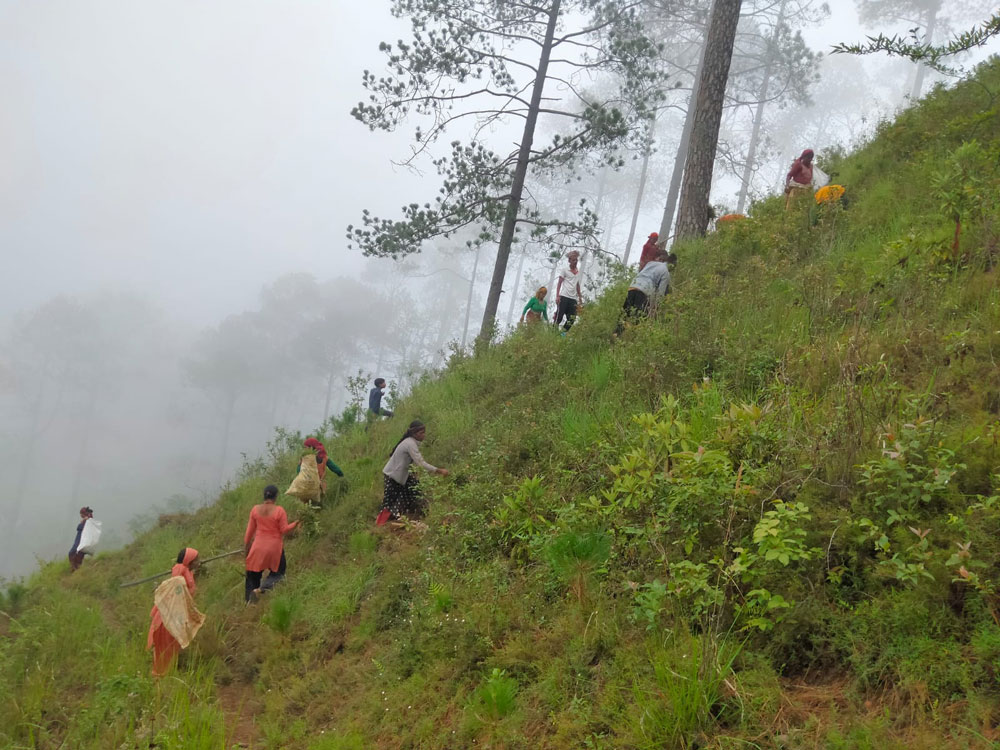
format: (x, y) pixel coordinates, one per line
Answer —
(649, 251)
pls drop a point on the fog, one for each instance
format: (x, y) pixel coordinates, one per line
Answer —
(176, 185)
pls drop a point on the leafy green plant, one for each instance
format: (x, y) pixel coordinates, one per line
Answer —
(914, 472)
(961, 187)
(496, 697)
(441, 597)
(520, 518)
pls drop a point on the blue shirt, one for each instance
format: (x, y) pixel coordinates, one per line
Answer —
(375, 400)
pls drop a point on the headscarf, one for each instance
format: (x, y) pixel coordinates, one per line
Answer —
(807, 154)
(654, 236)
(317, 446)
(183, 568)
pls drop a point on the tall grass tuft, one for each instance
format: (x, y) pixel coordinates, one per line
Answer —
(688, 688)
(284, 610)
(577, 557)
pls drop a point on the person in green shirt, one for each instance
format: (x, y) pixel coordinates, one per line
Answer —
(537, 307)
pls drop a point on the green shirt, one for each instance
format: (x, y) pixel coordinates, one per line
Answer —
(536, 305)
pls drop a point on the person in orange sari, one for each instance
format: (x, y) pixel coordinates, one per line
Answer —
(264, 541)
(165, 646)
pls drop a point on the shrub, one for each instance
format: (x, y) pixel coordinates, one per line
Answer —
(496, 697)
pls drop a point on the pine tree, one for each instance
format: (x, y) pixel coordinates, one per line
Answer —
(483, 64)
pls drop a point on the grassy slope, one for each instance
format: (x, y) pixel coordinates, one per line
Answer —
(509, 625)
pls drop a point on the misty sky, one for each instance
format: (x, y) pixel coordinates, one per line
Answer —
(194, 151)
(190, 150)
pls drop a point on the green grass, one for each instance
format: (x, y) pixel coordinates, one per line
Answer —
(607, 566)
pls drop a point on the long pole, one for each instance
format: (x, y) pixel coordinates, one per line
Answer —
(162, 575)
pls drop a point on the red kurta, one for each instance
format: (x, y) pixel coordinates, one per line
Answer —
(267, 527)
(165, 646)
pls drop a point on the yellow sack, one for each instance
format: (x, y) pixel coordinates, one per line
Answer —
(305, 486)
(180, 617)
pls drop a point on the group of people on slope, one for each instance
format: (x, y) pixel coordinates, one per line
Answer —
(268, 525)
(650, 285)
(569, 296)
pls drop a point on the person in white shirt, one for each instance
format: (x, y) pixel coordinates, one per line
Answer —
(402, 495)
(649, 286)
(568, 292)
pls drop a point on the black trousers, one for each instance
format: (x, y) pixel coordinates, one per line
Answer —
(636, 306)
(253, 579)
(567, 308)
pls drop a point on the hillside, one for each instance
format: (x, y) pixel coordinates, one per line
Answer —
(768, 519)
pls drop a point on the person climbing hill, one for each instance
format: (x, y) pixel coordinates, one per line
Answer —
(537, 308)
(799, 178)
(75, 557)
(304, 486)
(650, 250)
(568, 291)
(184, 619)
(263, 543)
(375, 395)
(402, 496)
(650, 285)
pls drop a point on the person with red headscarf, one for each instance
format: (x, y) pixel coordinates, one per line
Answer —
(165, 646)
(799, 177)
(323, 461)
(650, 250)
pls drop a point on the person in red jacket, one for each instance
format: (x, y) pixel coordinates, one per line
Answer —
(650, 250)
(799, 177)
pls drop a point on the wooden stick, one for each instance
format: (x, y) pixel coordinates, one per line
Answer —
(161, 575)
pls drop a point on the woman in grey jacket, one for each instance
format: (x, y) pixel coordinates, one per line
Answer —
(402, 493)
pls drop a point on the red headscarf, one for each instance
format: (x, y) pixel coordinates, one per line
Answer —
(183, 569)
(317, 446)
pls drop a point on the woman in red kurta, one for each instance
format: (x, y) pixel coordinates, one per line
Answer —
(263, 542)
(165, 646)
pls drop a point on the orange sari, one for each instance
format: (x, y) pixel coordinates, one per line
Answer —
(165, 646)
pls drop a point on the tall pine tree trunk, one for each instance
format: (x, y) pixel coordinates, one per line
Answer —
(692, 214)
(918, 81)
(639, 195)
(758, 115)
(517, 285)
(667, 223)
(468, 304)
(520, 173)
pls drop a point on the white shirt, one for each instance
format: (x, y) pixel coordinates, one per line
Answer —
(569, 282)
(406, 453)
